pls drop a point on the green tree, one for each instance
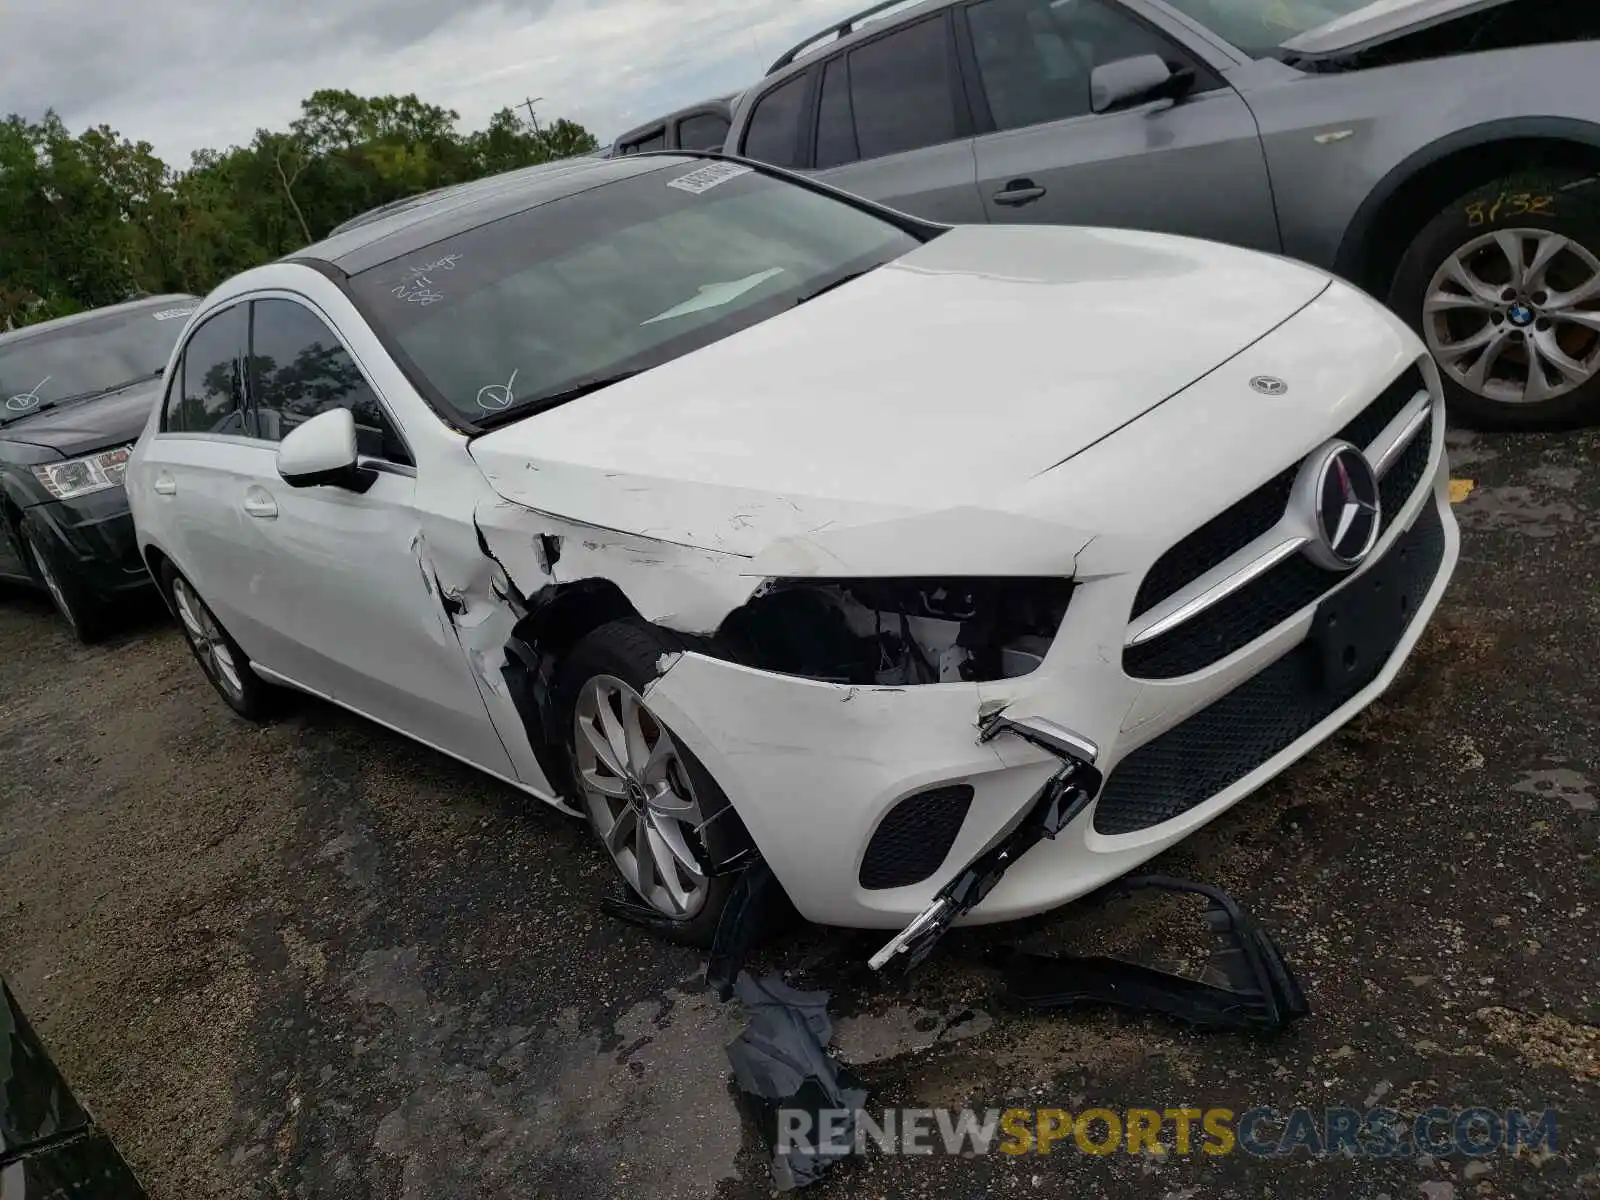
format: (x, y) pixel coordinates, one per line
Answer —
(91, 219)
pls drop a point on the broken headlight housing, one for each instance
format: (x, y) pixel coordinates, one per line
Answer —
(895, 632)
(82, 476)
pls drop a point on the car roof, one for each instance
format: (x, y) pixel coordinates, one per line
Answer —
(431, 217)
(132, 306)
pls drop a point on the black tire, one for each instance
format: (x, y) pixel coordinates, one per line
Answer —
(84, 614)
(1564, 202)
(253, 698)
(630, 651)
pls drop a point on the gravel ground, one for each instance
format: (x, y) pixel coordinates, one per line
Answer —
(314, 959)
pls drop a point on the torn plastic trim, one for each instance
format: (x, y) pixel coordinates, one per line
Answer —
(1489, 25)
(1261, 994)
(1063, 798)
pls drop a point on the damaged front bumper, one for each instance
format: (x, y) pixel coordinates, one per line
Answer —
(817, 771)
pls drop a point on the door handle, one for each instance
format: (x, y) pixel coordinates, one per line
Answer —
(1018, 192)
(165, 485)
(260, 505)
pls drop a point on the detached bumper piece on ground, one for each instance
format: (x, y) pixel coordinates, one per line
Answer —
(781, 1061)
(49, 1145)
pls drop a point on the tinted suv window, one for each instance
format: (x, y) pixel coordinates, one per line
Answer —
(652, 141)
(298, 369)
(1036, 56)
(703, 131)
(901, 91)
(774, 132)
(205, 396)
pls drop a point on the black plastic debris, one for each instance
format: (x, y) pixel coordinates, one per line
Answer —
(756, 909)
(805, 1100)
(1062, 798)
(1246, 985)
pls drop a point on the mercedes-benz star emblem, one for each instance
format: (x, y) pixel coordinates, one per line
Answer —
(1346, 506)
(1269, 385)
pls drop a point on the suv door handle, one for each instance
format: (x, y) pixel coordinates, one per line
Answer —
(260, 505)
(165, 485)
(1018, 192)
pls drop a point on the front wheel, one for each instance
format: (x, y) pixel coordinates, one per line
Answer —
(648, 799)
(1504, 287)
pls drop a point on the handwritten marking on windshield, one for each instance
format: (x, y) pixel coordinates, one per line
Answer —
(498, 397)
(23, 401)
(167, 314)
(417, 291)
(447, 263)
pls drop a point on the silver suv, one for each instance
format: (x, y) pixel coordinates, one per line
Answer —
(1444, 154)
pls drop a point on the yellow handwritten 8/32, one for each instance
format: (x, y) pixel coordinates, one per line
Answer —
(1509, 204)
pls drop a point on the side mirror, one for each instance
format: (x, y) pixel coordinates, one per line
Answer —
(322, 453)
(1136, 80)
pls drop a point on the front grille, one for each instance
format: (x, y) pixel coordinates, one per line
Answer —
(915, 837)
(1225, 741)
(1265, 603)
(1231, 530)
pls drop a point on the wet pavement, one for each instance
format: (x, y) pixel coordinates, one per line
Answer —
(316, 960)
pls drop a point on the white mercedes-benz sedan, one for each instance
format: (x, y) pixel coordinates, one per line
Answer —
(748, 519)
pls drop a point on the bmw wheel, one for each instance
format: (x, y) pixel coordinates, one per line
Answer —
(647, 798)
(219, 656)
(1504, 287)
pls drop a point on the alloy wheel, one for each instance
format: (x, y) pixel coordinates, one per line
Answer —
(639, 796)
(1514, 316)
(205, 635)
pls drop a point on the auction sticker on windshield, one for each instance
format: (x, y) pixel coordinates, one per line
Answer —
(705, 178)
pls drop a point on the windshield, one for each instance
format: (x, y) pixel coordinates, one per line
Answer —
(535, 309)
(1258, 27)
(87, 357)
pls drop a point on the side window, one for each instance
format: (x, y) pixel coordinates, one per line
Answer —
(298, 369)
(774, 132)
(901, 90)
(836, 124)
(703, 131)
(1036, 56)
(653, 141)
(205, 396)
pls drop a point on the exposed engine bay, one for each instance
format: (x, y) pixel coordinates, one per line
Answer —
(891, 632)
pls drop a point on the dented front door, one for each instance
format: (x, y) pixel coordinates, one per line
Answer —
(348, 577)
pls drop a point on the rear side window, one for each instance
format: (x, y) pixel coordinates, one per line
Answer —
(902, 91)
(206, 395)
(836, 124)
(298, 368)
(651, 141)
(703, 131)
(774, 132)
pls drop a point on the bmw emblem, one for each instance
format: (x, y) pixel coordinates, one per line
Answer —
(1269, 385)
(1520, 315)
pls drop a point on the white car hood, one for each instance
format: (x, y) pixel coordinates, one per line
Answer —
(965, 368)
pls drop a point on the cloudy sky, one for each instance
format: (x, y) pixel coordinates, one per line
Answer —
(186, 74)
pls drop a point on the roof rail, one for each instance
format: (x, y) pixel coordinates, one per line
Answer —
(842, 29)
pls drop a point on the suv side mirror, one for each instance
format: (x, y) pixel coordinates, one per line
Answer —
(322, 453)
(1136, 80)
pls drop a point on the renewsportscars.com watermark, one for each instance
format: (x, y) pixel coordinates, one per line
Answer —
(1262, 1132)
